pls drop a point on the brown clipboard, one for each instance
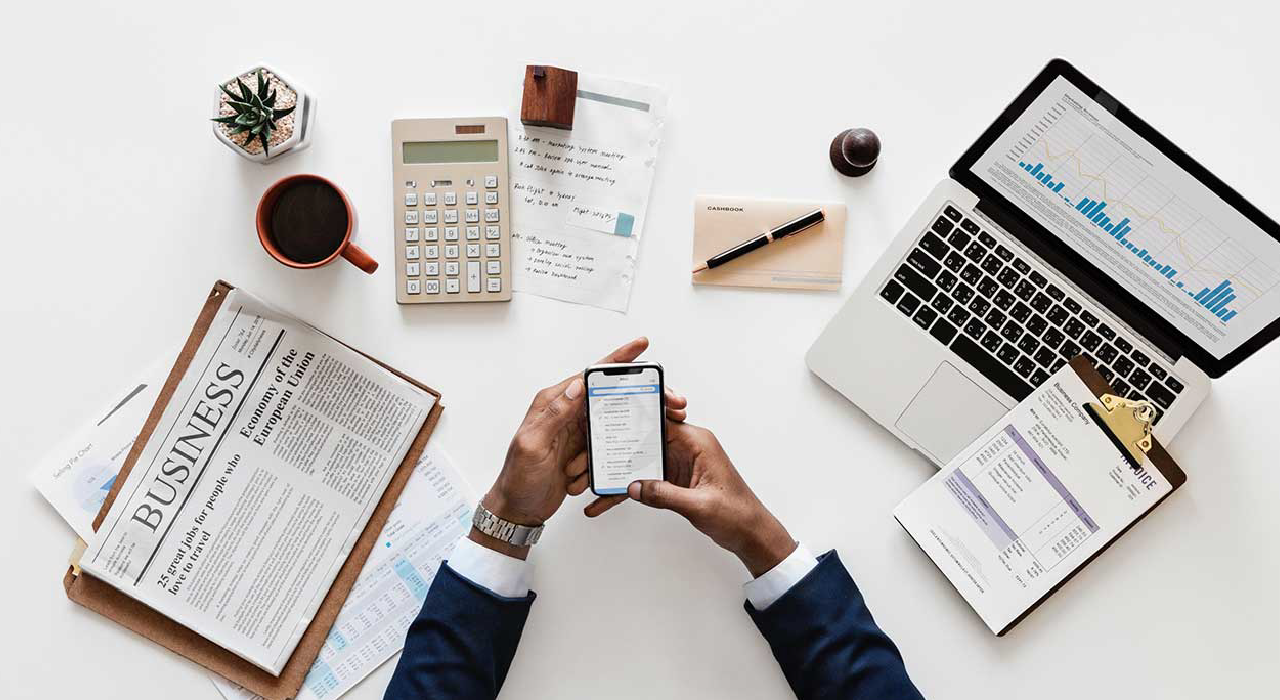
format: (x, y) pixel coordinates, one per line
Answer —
(106, 600)
(1157, 457)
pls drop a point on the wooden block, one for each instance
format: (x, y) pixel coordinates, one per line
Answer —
(550, 94)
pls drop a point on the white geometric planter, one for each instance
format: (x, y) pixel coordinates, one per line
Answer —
(294, 131)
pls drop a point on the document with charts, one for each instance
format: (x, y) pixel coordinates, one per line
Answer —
(434, 512)
(76, 476)
(1029, 502)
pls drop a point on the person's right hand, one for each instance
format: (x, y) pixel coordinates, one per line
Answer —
(703, 486)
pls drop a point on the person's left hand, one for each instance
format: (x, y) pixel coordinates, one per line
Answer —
(547, 459)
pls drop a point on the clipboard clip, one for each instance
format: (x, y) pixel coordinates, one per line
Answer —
(1127, 423)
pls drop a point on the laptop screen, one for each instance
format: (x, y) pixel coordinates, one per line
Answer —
(1157, 231)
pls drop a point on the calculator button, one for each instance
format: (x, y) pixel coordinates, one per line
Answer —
(413, 286)
(431, 269)
(431, 233)
(472, 197)
(492, 250)
(411, 199)
(451, 233)
(450, 199)
(491, 216)
(428, 199)
(491, 181)
(490, 197)
(495, 284)
(473, 216)
(473, 233)
(411, 269)
(433, 286)
(494, 267)
(430, 217)
(473, 276)
(491, 232)
(411, 234)
(451, 216)
(451, 251)
(451, 268)
(451, 285)
(411, 252)
(411, 217)
(473, 250)
(430, 251)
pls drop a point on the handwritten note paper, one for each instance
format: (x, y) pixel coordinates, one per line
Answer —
(579, 197)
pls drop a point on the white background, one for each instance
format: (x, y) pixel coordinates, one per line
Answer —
(121, 209)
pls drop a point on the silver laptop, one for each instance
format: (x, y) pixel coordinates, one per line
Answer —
(1070, 227)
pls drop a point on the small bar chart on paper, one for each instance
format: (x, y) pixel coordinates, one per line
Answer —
(1112, 193)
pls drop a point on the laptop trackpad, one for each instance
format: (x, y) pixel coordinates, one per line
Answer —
(949, 413)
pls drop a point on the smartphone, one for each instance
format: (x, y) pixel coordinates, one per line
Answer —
(626, 425)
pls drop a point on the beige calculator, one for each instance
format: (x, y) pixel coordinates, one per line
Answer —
(452, 210)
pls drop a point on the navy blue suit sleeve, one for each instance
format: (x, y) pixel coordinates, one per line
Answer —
(828, 646)
(461, 644)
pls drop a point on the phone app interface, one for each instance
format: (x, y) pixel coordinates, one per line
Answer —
(626, 428)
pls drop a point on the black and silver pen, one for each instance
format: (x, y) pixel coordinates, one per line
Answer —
(790, 228)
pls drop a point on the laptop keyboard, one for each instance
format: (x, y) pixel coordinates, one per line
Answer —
(1003, 316)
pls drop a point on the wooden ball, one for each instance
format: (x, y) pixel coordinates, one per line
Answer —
(854, 151)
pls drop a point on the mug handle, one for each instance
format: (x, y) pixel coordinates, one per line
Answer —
(356, 256)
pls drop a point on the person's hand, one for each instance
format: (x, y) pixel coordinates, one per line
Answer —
(547, 458)
(703, 486)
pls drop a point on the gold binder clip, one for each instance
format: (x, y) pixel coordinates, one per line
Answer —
(1128, 424)
(76, 552)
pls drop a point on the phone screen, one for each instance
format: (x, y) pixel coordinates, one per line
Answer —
(625, 414)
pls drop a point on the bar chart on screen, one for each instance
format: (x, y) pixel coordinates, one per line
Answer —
(1111, 192)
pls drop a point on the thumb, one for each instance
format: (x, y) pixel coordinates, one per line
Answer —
(563, 409)
(656, 493)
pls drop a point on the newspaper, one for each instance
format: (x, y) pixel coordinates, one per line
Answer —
(433, 513)
(262, 472)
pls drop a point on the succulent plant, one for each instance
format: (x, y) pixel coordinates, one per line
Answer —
(256, 114)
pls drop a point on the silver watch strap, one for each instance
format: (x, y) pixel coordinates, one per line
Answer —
(505, 530)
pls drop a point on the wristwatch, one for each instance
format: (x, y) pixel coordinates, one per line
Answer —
(505, 530)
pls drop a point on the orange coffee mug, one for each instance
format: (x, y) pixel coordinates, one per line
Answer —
(306, 221)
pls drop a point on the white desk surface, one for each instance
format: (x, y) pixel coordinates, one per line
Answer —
(122, 209)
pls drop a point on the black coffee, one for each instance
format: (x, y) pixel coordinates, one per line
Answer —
(309, 221)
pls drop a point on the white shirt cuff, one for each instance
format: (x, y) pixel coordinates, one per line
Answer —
(774, 583)
(502, 575)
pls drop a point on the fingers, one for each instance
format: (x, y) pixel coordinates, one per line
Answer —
(676, 405)
(675, 400)
(656, 493)
(627, 352)
(577, 466)
(602, 504)
(578, 484)
(562, 409)
(624, 353)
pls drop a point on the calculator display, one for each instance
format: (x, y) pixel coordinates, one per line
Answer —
(450, 152)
